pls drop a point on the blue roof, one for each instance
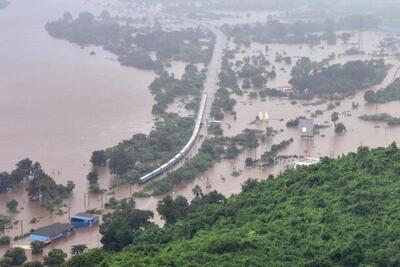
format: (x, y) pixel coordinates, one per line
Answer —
(40, 238)
(52, 230)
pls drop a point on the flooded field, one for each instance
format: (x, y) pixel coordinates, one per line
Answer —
(222, 177)
(58, 104)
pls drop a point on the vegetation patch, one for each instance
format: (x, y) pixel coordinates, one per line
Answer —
(210, 152)
(270, 156)
(41, 187)
(388, 94)
(166, 87)
(382, 117)
(300, 32)
(341, 212)
(132, 44)
(310, 78)
(133, 158)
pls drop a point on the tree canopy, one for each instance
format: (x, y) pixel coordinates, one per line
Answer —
(384, 95)
(341, 212)
(312, 78)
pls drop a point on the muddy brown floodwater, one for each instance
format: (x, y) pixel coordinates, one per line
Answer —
(58, 104)
(327, 143)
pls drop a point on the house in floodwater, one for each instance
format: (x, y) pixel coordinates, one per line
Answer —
(52, 232)
(285, 89)
(84, 220)
(306, 128)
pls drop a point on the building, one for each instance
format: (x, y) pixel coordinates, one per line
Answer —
(263, 116)
(306, 162)
(287, 89)
(306, 127)
(52, 232)
(83, 220)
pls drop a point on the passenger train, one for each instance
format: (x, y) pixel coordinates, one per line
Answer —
(177, 158)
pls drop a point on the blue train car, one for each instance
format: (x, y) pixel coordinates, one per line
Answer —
(84, 220)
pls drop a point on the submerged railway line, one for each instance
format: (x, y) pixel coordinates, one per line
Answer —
(210, 86)
(185, 150)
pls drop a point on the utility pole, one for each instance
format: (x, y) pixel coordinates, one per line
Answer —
(69, 211)
(208, 185)
(360, 36)
(22, 228)
(84, 199)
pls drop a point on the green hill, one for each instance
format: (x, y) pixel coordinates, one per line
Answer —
(343, 212)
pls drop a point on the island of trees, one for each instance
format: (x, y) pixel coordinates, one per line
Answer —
(40, 186)
(299, 32)
(388, 94)
(310, 78)
(166, 87)
(132, 44)
(382, 117)
(139, 155)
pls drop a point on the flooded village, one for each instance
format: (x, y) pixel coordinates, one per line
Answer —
(60, 101)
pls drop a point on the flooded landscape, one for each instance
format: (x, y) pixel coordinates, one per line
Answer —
(60, 114)
(59, 102)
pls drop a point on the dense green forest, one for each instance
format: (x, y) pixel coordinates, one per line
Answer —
(341, 212)
(387, 94)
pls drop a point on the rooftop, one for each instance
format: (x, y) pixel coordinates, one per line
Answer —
(85, 216)
(53, 229)
(306, 127)
(307, 162)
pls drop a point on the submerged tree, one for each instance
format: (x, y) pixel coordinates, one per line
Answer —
(78, 249)
(334, 117)
(340, 128)
(55, 258)
(99, 158)
(17, 255)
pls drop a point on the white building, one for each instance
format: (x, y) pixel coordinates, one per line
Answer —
(306, 162)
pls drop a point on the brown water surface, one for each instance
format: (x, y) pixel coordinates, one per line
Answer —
(58, 104)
